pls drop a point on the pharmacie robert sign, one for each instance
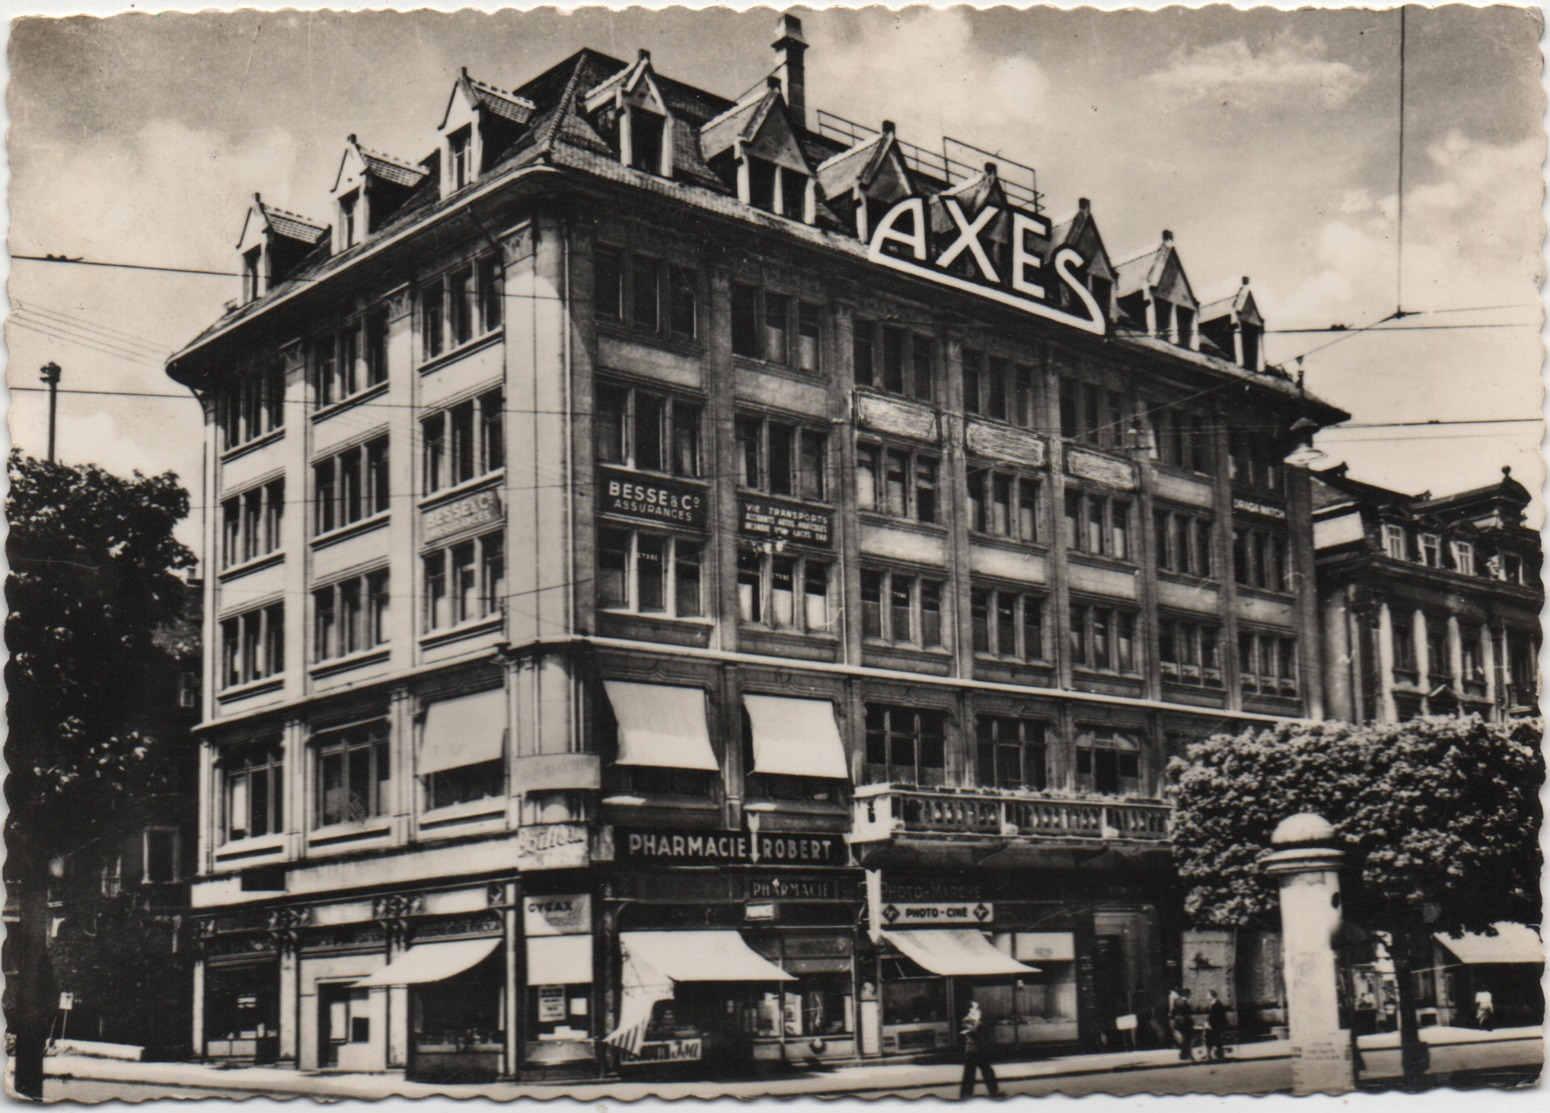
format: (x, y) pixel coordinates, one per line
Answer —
(904, 241)
(650, 498)
(684, 848)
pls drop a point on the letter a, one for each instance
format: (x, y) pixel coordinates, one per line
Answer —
(886, 232)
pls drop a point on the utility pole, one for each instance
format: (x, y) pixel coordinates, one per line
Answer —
(50, 375)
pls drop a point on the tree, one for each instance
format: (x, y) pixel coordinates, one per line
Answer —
(1439, 819)
(94, 576)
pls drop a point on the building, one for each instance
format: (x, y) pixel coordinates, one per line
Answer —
(705, 582)
(1430, 605)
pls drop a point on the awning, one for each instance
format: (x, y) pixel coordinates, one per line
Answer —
(698, 956)
(559, 960)
(797, 737)
(660, 724)
(1515, 944)
(463, 731)
(432, 962)
(956, 952)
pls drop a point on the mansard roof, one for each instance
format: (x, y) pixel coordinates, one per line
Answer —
(1080, 230)
(280, 222)
(480, 94)
(859, 166)
(387, 168)
(1156, 271)
(1239, 305)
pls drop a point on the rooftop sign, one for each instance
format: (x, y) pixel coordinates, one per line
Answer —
(902, 242)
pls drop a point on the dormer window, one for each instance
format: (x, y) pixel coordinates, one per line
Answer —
(460, 158)
(647, 132)
(348, 232)
(776, 189)
(1464, 557)
(1431, 550)
(1184, 325)
(1395, 543)
(251, 286)
(1250, 338)
(1102, 291)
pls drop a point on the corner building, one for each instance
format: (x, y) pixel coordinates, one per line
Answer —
(705, 583)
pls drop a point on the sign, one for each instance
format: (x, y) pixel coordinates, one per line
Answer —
(482, 508)
(665, 1051)
(934, 890)
(759, 912)
(567, 914)
(551, 846)
(904, 242)
(1100, 469)
(1251, 506)
(66, 1002)
(902, 915)
(551, 1003)
(779, 521)
(690, 848)
(1126, 1023)
(794, 888)
(650, 498)
(1044, 946)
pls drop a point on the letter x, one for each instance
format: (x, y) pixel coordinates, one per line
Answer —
(969, 237)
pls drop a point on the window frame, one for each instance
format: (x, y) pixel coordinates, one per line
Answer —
(1115, 532)
(917, 364)
(468, 298)
(369, 741)
(675, 298)
(1251, 545)
(334, 491)
(1193, 539)
(1093, 741)
(1015, 401)
(252, 653)
(987, 599)
(1028, 735)
(981, 483)
(1093, 651)
(626, 428)
(876, 458)
(447, 440)
(888, 724)
(758, 607)
(268, 757)
(920, 590)
(347, 634)
(252, 407)
(673, 563)
(244, 539)
(441, 599)
(1189, 650)
(752, 328)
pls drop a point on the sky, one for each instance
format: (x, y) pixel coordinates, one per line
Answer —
(1267, 141)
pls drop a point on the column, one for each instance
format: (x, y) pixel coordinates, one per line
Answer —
(1488, 660)
(197, 1012)
(401, 747)
(1456, 655)
(1386, 710)
(1338, 698)
(513, 999)
(401, 398)
(297, 778)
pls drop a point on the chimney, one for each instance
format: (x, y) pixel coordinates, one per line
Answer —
(643, 55)
(790, 46)
(1245, 280)
(1084, 205)
(888, 127)
(1167, 236)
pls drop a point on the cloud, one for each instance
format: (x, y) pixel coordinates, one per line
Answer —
(1231, 73)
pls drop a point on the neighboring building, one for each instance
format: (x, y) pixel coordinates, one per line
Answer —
(1430, 605)
(674, 608)
(1508, 967)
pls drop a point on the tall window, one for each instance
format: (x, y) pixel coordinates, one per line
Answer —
(460, 169)
(1431, 550)
(649, 573)
(350, 486)
(1402, 642)
(464, 582)
(253, 406)
(776, 328)
(1183, 542)
(350, 616)
(905, 745)
(645, 294)
(892, 359)
(459, 306)
(253, 645)
(1189, 651)
(1184, 438)
(1004, 504)
(1098, 524)
(352, 774)
(1396, 543)
(464, 441)
(1439, 661)
(1093, 414)
(901, 608)
(646, 429)
(350, 360)
(1255, 460)
(900, 482)
(1011, 752)
(784, 591)
(251, 523)
(1267, 663)
(1473, 669)
(1108, 762)
(253, 791)
(1464, 557)
(996, 387)
(1102, 638)
(647, 130)
(1261, 558)
(1007, 623)
(782, 458)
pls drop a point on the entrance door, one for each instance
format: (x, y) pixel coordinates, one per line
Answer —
(343, 1018)
(1109, 981)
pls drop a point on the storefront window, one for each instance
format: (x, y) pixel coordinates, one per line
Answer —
(459, 1015)
(912, 996)
(242, 1011)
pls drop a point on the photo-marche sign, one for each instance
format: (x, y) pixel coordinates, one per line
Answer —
(903, 242)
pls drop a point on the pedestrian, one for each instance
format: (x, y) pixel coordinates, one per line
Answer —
(1485, 1010)
(1216, 1026)
(1181, 1019)
(976, 1054)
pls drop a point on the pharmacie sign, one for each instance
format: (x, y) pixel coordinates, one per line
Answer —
(687, 848)
(650, 498)
(904, 242)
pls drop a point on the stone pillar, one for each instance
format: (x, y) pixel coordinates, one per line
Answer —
(1307, 864)
(1385, 679)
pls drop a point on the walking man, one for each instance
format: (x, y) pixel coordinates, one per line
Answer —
(976, 1054)
(1216, 1027)
(1181, 1019)
(1485, 1010)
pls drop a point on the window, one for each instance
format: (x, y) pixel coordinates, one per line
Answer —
(995, 387)
(1108, 762)
(253, 791)
(646, 133)
(1189, 651)
(1004, 504)
(1261, 559)
(1184, 438)
(1473, 670)
(351, 486)
(1007, 623)
(899, 482)
(905, 745)
(250, 523)
(1464, 557)
(1183, 542)
(1102, 638)
(460, 306)
(776, 328)
(350, 616)
(1255, 460)
(465, 582)
(1439, 662)
(776, 189)
(901, 608)
(1098, 524)
(1267, 663)
(1523, 668)
(649, 573)
(161, 857)
(784, 591)
(645, 294)
(464, 784)
(252, 285)
(464, 441)
(1092, 414)
(782, 458)
(352, 774)
(892, 359)
(253, 645)
(1402, 641)
(351, 360)
(1011, 752)
(460, 170)
(252, 407)
(644, 429)
(1431, 550)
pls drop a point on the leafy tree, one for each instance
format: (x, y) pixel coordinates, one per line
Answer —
(1439, 819)
(93, 581)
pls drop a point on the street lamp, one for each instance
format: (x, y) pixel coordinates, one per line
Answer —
(1305, 455)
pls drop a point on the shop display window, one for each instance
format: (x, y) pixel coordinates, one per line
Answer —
(558, 1012)
(912, 995)
(461, 1014)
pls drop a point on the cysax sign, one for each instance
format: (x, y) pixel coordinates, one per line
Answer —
(902, 242)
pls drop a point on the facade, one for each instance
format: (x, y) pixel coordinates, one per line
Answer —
(1430, 605)
(706, 583)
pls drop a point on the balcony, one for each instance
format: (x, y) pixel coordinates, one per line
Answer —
(903, 824)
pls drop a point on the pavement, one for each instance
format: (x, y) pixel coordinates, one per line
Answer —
(861, 1078)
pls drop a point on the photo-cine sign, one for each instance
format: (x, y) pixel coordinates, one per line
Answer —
(903, 242)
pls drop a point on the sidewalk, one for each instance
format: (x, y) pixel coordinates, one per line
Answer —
(860, 1078)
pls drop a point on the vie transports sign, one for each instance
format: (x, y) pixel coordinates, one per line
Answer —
(902, 242)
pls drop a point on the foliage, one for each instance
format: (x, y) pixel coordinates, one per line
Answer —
(1439, 817)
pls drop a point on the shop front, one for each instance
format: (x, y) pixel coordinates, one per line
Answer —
(929, 976)
(242, 1009)
(557, 1024)
(455, 1000)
